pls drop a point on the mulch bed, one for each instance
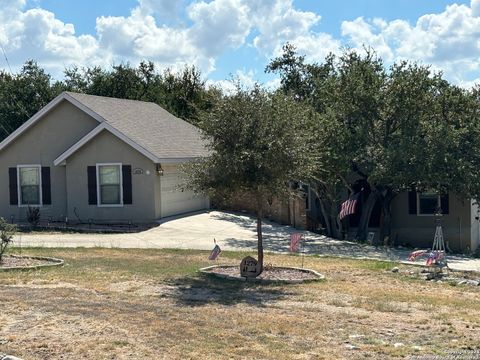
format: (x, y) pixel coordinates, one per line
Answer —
(20, 262)
(269, 274)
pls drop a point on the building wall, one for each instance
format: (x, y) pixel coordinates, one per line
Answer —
(107, 148)
(419, 231)
(41, 144)
(284, 211)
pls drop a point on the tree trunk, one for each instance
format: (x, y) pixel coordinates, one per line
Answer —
(366, 215)
(260, 202)
(386, 223)
(326, 217)
(337, 232)
(260, 241)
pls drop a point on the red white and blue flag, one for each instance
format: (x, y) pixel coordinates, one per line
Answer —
(295, 241)
(215, 252)
(348, 207)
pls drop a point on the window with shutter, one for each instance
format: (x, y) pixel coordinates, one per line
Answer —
(29, 181)
(109, 178)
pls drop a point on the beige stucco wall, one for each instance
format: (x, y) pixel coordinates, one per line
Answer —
(107, 148)
(420, 230)
(41, 144)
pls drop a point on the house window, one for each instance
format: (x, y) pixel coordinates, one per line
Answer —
(29, 185)
(428, 203)
(109, 188)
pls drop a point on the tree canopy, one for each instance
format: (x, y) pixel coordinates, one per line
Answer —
(183, 93)
(395, 129)
(257, 143)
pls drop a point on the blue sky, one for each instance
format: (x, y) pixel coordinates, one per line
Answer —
(238, 37)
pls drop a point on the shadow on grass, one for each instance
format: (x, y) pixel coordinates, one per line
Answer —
(204, 290)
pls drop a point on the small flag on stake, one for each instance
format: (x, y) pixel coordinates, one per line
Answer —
(215, 252)
(295, 241)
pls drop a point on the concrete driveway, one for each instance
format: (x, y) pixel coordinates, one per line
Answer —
(233, 231)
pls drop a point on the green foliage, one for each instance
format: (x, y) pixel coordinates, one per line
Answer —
(23, 94)
(6, 235)
(183, 93)
(393, 128)
(33, 216)
(257, 143)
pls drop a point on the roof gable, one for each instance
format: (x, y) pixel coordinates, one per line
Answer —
(145, 126)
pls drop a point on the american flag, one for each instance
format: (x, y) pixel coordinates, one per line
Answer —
(349, 207)
(215, 252)
(295, 241)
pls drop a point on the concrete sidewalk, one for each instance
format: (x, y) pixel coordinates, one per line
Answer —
(234, 232)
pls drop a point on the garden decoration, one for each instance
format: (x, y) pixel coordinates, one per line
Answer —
(215, 252)
(295, 241)
(437, 255)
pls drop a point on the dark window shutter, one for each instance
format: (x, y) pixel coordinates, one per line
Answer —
(127, 184)
(92, 185)
(412, 202)
(12, 176)
(444, 203)
(46, 187)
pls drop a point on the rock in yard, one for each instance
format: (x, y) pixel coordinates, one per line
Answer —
(351, 347)
(468, 282)
(398, 345)
(395, 270)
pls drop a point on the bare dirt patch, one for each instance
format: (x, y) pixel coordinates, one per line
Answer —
(152, 304)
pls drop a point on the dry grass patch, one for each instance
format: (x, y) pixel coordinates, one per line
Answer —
(124, 304)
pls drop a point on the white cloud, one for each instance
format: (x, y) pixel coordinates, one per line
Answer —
(277, 22)
(449, 41)
(164, 9)
(37, 34)
(219, 25)
(475, 6)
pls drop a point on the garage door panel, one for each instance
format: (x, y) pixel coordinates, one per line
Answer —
(175, 201)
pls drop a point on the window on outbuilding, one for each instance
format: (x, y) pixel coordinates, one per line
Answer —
(428, 203)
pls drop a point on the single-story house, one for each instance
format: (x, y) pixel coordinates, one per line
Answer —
(414, 220)
(92, 158)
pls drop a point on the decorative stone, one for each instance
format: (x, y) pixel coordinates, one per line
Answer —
(249, 267)
(473, 282)
(395, 270)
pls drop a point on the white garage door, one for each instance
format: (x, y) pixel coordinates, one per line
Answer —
(175, 201)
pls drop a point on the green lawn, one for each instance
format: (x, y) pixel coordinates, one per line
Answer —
(152, 304)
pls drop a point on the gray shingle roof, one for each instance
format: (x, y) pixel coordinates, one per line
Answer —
(149, 125)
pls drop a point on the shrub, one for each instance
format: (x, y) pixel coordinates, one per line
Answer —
(33, 216)
(6, 235)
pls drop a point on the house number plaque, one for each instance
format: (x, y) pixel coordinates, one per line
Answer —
(249, 267)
